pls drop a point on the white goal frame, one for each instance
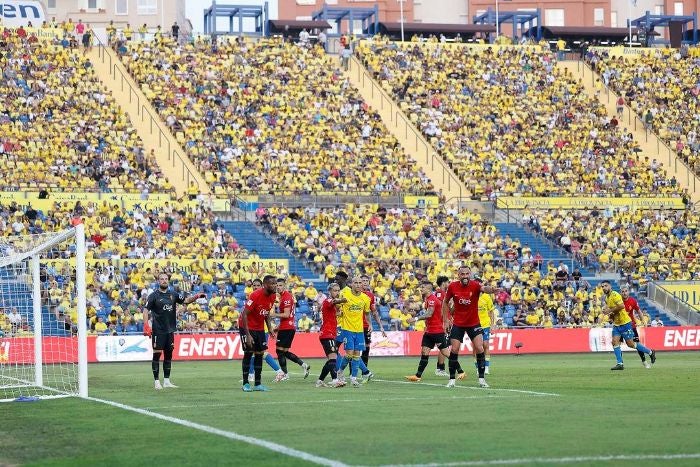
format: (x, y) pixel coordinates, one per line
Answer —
(76, 233)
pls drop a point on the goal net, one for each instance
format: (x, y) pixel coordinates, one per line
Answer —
(43, 345)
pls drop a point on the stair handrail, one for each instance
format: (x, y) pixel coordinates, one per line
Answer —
(682, 311)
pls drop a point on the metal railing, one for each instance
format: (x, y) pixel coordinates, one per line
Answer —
(145, 110)
(397, 118)
(672, 304)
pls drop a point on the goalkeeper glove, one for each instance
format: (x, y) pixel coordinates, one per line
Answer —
(147, 329)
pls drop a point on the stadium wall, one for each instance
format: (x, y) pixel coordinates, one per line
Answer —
(227, 346)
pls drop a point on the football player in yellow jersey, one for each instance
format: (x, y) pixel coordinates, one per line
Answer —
(486, 317)
(356, 303)
(622, 326)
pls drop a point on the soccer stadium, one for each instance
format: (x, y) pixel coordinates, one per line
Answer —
(392, 232)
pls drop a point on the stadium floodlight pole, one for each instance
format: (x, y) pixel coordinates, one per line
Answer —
(401, 18)
(82, 309)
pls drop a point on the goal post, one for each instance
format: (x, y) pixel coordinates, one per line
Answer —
(43, 315)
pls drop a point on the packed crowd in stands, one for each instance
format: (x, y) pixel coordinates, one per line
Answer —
(61, 129)
(642, 245)
(509, 121)
(269, 116)
(663, 88)
(398, 248)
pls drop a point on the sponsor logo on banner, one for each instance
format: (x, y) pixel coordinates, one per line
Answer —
(392, 344)
(214, 347)
(17, 13)
(123, 348)
(600, 340)
(679, 337)
(688, 293)
(583, 202)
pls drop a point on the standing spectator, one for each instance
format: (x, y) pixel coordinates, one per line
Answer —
(322, 39)
(175, 30)
(656, 322)
(304, 37)
(87, 40)
(79, 30)
(620, 106)
(15, 320)
(345, 54)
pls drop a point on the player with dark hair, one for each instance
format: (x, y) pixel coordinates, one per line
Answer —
(286, 329)
(327, 336)
(162, 304)
(464, 294)
(272, 363)
(434, 334)
(341, 278)
(255, 315)
(635, 313)
(442, 283)
(366, 325)
(622, 327)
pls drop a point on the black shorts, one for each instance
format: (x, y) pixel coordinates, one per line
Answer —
(458, 332)
(636, 335)
(368, 337)
(285, 338)
(163, 340)
(259, 341)
(329, 346)
(431, 340)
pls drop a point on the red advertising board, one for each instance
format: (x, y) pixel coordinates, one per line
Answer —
(227, 346)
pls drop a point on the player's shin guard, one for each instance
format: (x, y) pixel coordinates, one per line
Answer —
(642, 348)
(422, 364)
(257, 363)
(155, 365)
(167, 362)
(331, 367)
(346, 361)
(618, 354)
(361, 365)
(354, 366)
(245, 364)
(453, 364)
(481, 363)
(294, 358)
(642, 355)
(339, 362)
(272, 362)
(365, 356)
(282, 359)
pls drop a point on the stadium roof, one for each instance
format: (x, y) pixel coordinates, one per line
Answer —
(295, 24)
(582, 32)
(437, 28)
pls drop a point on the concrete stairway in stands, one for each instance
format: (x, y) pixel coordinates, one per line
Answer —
(248, 236)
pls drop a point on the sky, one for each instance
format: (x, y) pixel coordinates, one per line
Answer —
(195, 8)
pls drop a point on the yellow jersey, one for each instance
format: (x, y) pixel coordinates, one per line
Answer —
(485, 307)
(613, 300)
(352, 311)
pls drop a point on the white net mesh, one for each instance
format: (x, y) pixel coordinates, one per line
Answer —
(38, 346)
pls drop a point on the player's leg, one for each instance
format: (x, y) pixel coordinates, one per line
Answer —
(641, 354)
(368, 341)
(487, 352)
(281, 356)
(456, 336)
(616, 340)
(440, 367)
(157, 342)
(475, 334)
(427, 345)
(245, 363)
(629, 340)
(168, 360)
(259, 348)
(287, 337)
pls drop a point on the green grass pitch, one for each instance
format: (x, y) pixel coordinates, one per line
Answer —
(572, 410)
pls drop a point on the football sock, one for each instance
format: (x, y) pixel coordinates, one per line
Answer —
(272, 362)
(642, 355)
(257, 362)
(339, 362)
(245, 363)
(488, 361)
(325, 370)
(365, 356)
(453, 364)
(421, 365)
(441, 366)
(361, 365)
(642, 348)
(294, 358)
(282, 359)
(481, 363)
(155, 365)
(618, 354)
(167, 362)
(353, 366)
(346, 362)
(331, 367)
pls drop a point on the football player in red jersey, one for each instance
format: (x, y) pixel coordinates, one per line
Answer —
(256, 313)
(287, 329)
(463, 296)
(327, 335)
(632, 309)
(434, 334)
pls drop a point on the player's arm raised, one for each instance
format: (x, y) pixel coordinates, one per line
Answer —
(193, 298)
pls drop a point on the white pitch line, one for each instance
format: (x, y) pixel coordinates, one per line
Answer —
(520, 391)
(559, 460)
(329, 401)
(228, 434)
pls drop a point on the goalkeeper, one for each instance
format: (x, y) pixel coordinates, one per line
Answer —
(161, 305)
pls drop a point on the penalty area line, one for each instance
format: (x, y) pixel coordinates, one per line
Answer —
(559, 460)
(287, 451)
(519, 391)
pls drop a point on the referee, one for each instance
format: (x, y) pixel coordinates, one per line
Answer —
(162, 304)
